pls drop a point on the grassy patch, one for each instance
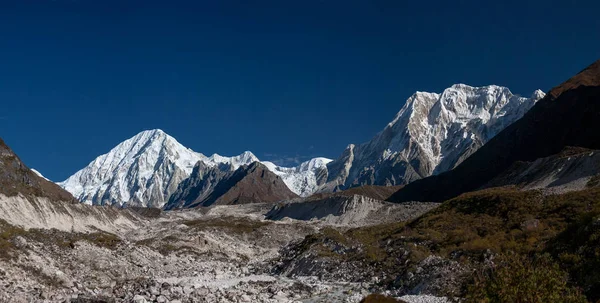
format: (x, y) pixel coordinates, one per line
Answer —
(499, 220)
(517, 278)
(8, 233)
(594, 181)
(60, 239)
(470, 227)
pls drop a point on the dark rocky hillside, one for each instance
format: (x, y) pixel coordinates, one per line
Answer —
(571, 169)
(251, 183)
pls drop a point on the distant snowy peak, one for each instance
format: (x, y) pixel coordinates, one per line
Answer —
(147, 168)
(304, 179)
(141, 171)
(236, 161)
(432, 133)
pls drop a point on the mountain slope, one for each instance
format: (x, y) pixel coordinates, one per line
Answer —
(251, 183)
(572, 169)
(30, 201)
(568, 116)
(198, 186)
(16, 178)
(432, 133)
(376, 192)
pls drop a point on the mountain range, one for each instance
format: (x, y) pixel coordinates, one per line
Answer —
(432, 133)
(147, 169)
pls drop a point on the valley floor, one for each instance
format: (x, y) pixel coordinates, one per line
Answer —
(226, 254)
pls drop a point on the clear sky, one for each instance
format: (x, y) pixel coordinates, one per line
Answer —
(287, 80)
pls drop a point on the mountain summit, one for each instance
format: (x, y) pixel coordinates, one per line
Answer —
(141, 171)
(431, 134)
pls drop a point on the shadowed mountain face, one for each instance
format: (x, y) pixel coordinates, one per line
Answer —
(568, 116)
(251, 183)
(16, 178)
(572, 169)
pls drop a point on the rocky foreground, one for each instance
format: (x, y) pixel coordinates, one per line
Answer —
(223, 254)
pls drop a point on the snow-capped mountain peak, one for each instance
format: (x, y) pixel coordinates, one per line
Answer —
(430, 134)
(141, 171)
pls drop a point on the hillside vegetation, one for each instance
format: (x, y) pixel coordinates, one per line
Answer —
(533, 235)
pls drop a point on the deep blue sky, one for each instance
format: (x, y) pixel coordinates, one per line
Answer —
(283, 79)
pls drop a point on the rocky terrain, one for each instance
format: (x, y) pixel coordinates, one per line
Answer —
(348, 211)
(32, 201)
(56, 250)
(17, 179)
(219, 254)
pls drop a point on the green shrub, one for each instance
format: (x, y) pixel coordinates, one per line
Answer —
(516, 278)
(578, 250)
